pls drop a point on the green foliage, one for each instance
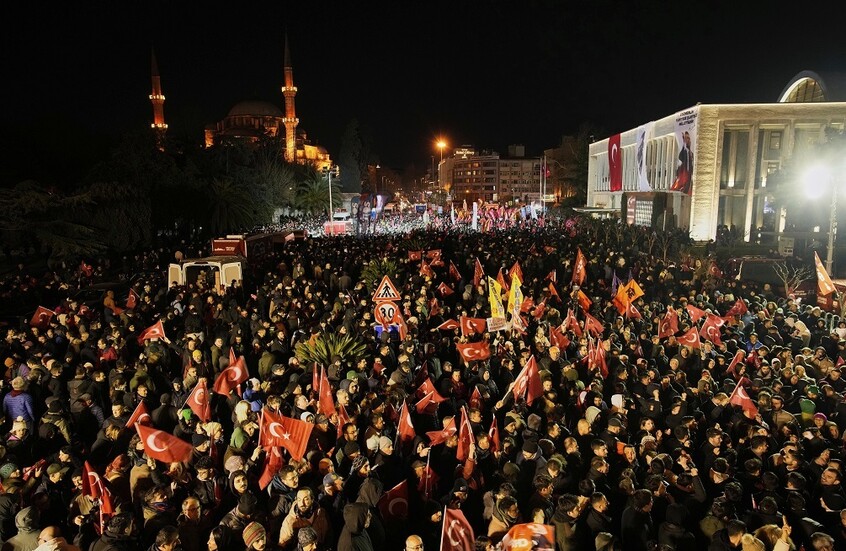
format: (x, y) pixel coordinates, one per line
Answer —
(229, 206)
(329, 345)
(376, 269)
(313, 194)
(120, 214)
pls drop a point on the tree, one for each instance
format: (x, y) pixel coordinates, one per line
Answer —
(792, 275)
(349, 158)
(313, 194)
(229, 206)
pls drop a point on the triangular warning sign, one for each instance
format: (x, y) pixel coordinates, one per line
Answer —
(386, 291)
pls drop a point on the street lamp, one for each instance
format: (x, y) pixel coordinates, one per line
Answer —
(441, 144)
(816, 179)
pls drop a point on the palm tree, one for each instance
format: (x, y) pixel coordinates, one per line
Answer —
(229, 206)
(313, 194)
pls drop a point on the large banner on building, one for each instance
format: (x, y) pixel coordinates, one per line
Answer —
(615, 163)
(644, 132)
(686, 124)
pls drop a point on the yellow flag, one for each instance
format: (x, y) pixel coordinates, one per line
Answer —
(515, 295)
(495, 298)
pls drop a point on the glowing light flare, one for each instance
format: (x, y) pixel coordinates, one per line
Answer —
(816, 179)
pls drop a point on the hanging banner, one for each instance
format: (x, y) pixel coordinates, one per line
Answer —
(615, 163)
(475, 216)
(686, 125)
(643, 134)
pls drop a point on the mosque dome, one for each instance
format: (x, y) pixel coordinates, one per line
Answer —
(255, 109)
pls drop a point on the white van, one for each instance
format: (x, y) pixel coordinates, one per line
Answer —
(222, 271)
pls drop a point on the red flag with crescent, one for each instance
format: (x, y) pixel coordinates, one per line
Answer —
(493, 435)
(739, 397)
(739, 356)
(440, 436)
(558, 338)
(394, 503)
(231, 377)
(272, 463)
(41, 318)
(579, 268)
(472, 326)
(426, 270)
(528, 383)
(570, 323)
(291, 434)
(163, 446)
(695, 313)
(414, 256)
(465, 437)
(140, 416)
(711, 329)
(405, 429)
(478, 273)
(476, 401)
(593, 325)
(445, 290)
(426, 387)
(539, 310)
(453, 271)
(690, 338)
(449, 325)
(326, 402)
(669, 324)
(615, 164)
(132, 299)
(456, 535)
(155, 331)
(199, 401)
(92, 484)
(474, 351)
(738, 309)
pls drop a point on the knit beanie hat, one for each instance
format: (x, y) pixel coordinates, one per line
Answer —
(252, 533)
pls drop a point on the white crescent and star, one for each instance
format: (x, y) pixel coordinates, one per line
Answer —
(152, 444)
(461, 531)
(273, 431)
(614, 153)
(402, 501)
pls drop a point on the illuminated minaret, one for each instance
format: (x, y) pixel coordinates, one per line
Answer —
(290, 120)
(157, 98)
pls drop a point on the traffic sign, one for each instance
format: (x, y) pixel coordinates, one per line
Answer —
(384, 312)
(386, 291)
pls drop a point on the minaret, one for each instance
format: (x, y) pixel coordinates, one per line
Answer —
(157, 98)
(290, 120)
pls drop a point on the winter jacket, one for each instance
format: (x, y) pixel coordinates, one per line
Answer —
(354, 535)
(28, 530)
(19, 404)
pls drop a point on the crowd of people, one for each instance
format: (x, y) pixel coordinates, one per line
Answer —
(616, 426)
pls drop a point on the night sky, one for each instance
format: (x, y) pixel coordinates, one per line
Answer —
(77, 74)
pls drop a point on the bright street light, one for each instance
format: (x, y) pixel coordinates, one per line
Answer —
(817, 179)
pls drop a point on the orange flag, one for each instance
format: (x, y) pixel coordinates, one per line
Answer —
(580, 268)
(824, 284)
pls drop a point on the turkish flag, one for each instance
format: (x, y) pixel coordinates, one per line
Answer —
(155, 331)
(501, 280)
(474, 351)
(579, 268)
(465, 437)
(593, 325)
(476, 401)
(440, 436)
(558, 338)
(291, 434)
(824, 284)
(457, 535)
(140, 416)
(107, 510)
(528, 383)
(199, 401)
(326, 402)
(571, 324)
(615, 164)
(493, 435)
(472, 326)
(552, 276)
(553, 292)
(690, 338)
(132, 299)
(584, 301)
(669, 324)
(445, 290)
(596, 357)
(434, 307)
(425, 402)
(163, 446)
(739, 397)
(449, 325)
(231, 377)
(516, 270)
(453, 271)
(738, 309)
(405, 430)
(415, 255)
(41, 318)
(539, 310)
(343, 419)
(478, 273)
(711, 329)
(92, 484)
(426, 387)
(426, 270)
(739, 356)
(272, 463)
(527, 305)
(695, 313)
(394, 503)
(714, 270)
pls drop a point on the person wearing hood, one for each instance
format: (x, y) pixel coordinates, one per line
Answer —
(354, 536)
(369, 494)
(26, 539)
(672, 531)
(505, 515)
(117, 535)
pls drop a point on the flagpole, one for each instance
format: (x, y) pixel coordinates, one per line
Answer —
(443, 523)
(426, 485)
(261, 425)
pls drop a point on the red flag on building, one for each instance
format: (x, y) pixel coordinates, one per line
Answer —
(199, 401)
(456, 535)
(440, 436)
(41, 318)
(690, 338)
(140, 416)
(474, 351)
(516, 270)
(527, 383)
(453, 272)
(163, 446)
(824, 284)
(326, 401)
(445, 290)
(579, 268)
(155, 331)
(394, 503)
(472, 326)
(465, 437)
(291, 434)
(552, 276)
(132, 299)
(272, 463)
(449, 325)
(669, 324)
(493, 435)
(92, 484)
(231, 377)
(615, 164)
(478, 273)
(739, 397)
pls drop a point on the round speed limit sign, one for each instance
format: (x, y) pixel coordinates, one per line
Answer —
(385, 312)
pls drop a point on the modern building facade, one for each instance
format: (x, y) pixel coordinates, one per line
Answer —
(473, 175)
(707, 166)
